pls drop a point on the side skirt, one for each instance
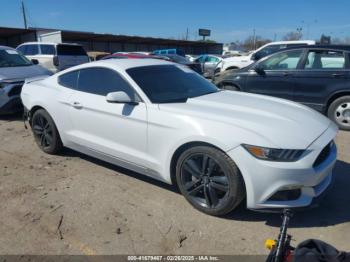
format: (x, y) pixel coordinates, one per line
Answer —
(117, 161)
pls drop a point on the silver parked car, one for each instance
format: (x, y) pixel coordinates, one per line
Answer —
(14, 69)
(208, 63)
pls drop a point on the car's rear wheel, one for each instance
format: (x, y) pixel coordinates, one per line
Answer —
(209, 180)
(339, 112)
(45, 132)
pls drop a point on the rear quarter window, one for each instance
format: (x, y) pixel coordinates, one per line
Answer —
(69, 80)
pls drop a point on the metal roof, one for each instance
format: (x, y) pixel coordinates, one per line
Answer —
(86, 36)
(81, 36)
(8, 31)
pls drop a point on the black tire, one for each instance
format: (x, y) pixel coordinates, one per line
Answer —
(339, 112)
(45, 132)
(216, 191)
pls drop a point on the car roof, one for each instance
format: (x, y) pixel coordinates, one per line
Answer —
(319, 46)
(310, 42)
(3, 47)
(48, 43)
(129, 55)
(123, 64)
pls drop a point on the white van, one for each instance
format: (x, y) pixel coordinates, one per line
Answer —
(54, 56)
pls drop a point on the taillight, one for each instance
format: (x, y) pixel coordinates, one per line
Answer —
(55, 61)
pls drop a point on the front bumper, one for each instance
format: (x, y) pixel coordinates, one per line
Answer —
(10, 105)
(10, 100)
(263, 179)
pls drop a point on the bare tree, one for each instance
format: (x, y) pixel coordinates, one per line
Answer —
(290, 36)
(248, 43)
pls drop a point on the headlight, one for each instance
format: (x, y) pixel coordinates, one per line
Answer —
(274, 154)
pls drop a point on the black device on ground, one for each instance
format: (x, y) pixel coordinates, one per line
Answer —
(311, 250)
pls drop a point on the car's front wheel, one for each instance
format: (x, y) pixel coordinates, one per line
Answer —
(45, 132)
(339, 112)
(209, 180)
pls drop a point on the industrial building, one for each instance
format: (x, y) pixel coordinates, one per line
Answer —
(105, 42)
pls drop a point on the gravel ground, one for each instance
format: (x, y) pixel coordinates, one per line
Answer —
(73, 204)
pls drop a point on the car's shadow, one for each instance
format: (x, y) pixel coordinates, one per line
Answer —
(334, 208)
(119, 170)
(12, 117)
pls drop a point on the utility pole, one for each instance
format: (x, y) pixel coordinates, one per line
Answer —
(187, 34)
(24, 16)
(254, 40)
(299, 29)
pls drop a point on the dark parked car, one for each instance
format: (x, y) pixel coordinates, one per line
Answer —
(317, 76)
(197, 67)
(14, 70)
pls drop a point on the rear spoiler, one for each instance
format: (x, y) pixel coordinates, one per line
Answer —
(36, 78)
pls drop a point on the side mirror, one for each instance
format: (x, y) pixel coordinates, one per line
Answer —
(259, 70)
(120, 98)
(35, 61)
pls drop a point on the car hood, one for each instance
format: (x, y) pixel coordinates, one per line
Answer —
(282, 123)
(20, 73)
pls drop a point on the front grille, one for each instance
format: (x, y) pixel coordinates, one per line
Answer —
(15, 90)
(323, 155)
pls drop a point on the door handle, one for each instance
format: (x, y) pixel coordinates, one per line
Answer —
(337, 75)
(77, 105)
(286, 74)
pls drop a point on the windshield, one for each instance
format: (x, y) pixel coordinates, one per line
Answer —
(11, 58)
(170, 83)
(178, 59)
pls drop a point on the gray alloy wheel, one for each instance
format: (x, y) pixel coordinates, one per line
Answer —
(45, 132)
(339, 112)
(342, 114)
(209, 180)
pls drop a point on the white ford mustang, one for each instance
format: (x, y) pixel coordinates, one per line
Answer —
(163, 120)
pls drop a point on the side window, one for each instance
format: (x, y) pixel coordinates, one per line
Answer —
(32, 50)
(47, 49)
(69, 80)
(21, 49)
(101, 81)
(295, 45)
(268, 50)
(323, 59)
(212, 59)
(282, 61)
(200, 59)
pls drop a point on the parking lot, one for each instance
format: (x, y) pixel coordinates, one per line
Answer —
(73, 204)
